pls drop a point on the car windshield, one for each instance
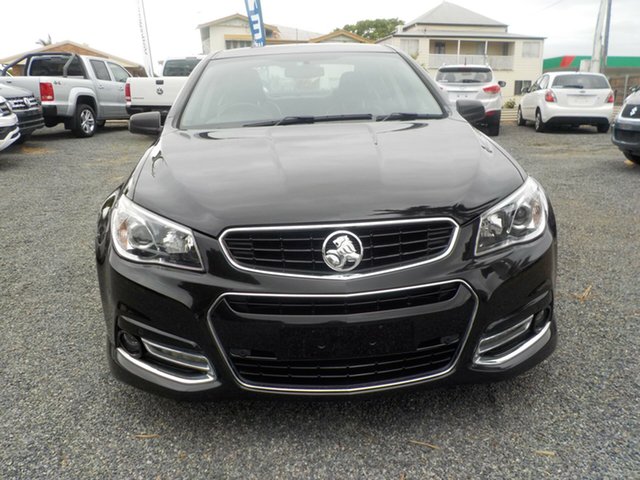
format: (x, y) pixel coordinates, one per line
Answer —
(282, 88)
(464, 75)
(180, 67)
(581, 81)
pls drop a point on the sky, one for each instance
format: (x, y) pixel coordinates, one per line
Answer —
(112, 25)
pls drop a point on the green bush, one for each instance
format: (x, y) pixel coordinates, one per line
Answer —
(511, 103)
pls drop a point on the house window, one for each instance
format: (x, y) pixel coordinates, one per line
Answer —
(410, 46)
(531, 49)
(439, 48)
(231, 44)
(520, 84)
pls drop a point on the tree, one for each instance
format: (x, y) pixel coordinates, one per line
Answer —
(374, 29)
(43, 42)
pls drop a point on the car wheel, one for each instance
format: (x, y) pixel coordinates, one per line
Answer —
(603, 128)
(634, 157)
(84, 124)
(539, 125)
(493, 129)
(519, 119)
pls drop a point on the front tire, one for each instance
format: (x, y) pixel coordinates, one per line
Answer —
(539, 125)
(634, 157)
(521, 122)
(84, 124)
(603, 128)
(493, 129)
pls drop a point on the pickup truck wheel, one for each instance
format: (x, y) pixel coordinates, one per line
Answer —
(84, 121)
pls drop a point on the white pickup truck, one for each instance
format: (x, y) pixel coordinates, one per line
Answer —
(159, 93)
(81, 92)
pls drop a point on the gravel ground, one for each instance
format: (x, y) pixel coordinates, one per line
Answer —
(63, 416)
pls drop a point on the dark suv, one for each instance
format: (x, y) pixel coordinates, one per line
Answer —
(316, 220)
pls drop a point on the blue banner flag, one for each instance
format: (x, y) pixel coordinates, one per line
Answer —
(254, 12)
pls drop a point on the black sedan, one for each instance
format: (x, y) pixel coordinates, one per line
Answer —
(318, 220)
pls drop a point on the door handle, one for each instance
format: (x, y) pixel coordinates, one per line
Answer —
(100, 86)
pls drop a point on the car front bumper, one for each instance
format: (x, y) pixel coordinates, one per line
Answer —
(625, 135)
(505, 296)
(9, 133)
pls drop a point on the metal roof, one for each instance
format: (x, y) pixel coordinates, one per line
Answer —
(463, 34)
(451, 14)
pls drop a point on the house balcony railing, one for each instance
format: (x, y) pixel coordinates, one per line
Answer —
(497, 62)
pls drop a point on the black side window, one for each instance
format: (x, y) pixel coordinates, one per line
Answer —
(100, 69)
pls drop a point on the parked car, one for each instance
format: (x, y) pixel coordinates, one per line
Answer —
(158, 94)
(9, 130)
(568, 98)
(626, 128)
(26, 107)
(322, 222)
(81, 92)
(475, 82)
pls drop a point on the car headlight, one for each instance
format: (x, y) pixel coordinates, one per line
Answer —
(520, 217)
(142, 236)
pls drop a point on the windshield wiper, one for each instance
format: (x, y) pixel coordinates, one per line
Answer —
(301, 119)
(406, 116)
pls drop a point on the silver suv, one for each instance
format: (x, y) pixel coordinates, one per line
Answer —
(474, 82)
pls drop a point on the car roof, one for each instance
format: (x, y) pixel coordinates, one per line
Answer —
(303, 48)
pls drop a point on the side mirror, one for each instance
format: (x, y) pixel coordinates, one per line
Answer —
(147, 123)
(471, 110)
(502, 83)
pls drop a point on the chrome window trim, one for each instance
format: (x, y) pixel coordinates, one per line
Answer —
(339, 226)
(348, 390)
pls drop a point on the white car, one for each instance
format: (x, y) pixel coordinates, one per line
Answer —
(9, 131)
(474, 82)
(568, 98)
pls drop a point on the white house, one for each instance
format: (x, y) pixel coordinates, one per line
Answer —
(450, 34)
(233, 32)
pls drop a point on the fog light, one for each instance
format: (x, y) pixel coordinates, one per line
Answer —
(540, 319)
(130, 343)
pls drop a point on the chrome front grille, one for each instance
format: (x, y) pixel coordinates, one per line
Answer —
(23, 103)
(343, 342)
(297, 251)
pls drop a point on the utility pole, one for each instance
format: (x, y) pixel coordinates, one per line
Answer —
(601, 38)
(605, 49)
